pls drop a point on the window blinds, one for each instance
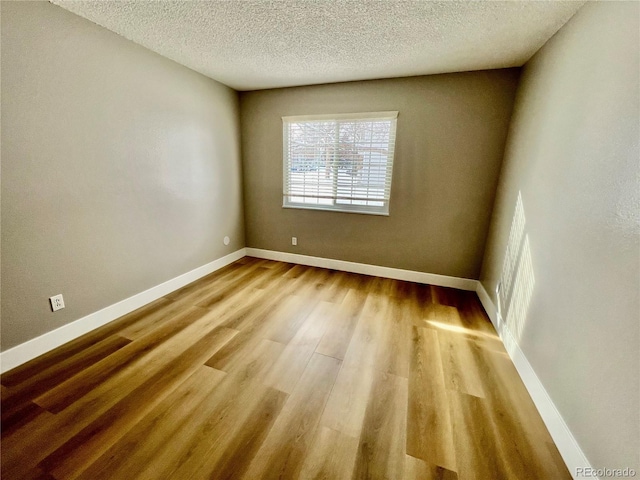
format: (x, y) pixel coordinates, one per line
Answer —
(339, 162)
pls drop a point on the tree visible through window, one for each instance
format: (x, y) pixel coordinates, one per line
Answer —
(339, 162)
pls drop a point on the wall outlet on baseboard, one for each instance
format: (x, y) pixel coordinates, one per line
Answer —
(57, 302)
(294, 240)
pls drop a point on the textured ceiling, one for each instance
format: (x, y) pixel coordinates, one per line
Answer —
(256, 44)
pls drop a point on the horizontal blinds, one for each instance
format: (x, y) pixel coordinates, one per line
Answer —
(339, 161)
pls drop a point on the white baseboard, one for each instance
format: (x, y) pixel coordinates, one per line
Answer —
(568, 447)
(562, 436)
(488, 305)
(34, 348)
(366, 269)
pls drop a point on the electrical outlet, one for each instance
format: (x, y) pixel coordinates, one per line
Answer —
(294, 240)
(57, 302)
(226, 240)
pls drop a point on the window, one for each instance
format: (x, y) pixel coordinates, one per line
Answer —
(339, 162)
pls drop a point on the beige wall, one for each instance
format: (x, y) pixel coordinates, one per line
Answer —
(573, 155)
(120, 169)
(450, 138)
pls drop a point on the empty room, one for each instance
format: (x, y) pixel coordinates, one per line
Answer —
(300, 239)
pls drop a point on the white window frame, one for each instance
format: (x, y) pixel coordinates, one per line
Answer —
(349, 208)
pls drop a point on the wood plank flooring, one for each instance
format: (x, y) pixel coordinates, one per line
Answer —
(270, 370)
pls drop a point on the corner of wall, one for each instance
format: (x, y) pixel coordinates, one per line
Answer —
(566, 443)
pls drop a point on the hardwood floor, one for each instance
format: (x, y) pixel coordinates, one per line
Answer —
(271, 370)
